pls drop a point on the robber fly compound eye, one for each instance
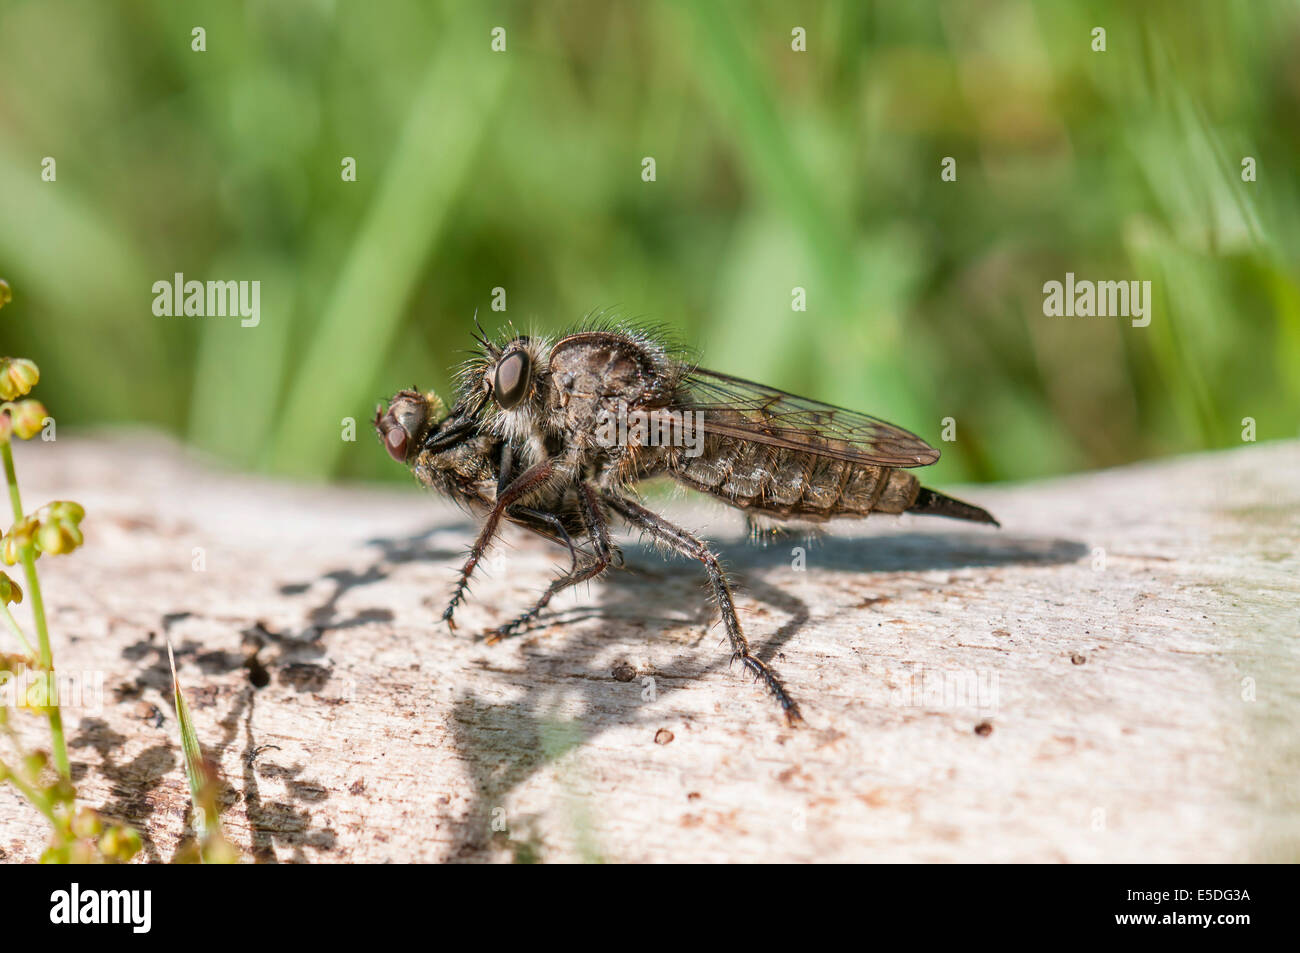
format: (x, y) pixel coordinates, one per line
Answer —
(511, 381)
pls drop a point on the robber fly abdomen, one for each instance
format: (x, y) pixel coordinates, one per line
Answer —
(788, 484)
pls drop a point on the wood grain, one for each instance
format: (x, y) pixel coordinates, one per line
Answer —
(1110, 677)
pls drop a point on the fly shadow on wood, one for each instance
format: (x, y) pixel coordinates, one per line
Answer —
(505, 744)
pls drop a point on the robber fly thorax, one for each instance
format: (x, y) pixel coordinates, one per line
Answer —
(554, 436)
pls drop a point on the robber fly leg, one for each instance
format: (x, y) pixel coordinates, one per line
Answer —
(685, 543)
(593, 517)
(529, 480)
(553, 523)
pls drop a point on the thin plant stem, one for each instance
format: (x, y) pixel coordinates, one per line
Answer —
(28, 555)
(38, 798)
(17, 630)
(26, 790)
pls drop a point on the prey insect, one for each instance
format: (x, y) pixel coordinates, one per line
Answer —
(554, 435)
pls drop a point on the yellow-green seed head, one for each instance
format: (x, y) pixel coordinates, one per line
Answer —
(17, 377)
(86, 823)
(58, 536)
(67, 510)
(9, 590)
(28, 418)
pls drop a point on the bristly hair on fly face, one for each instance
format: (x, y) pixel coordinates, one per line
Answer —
(499, 381)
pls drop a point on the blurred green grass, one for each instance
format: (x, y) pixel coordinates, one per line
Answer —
(775, 169)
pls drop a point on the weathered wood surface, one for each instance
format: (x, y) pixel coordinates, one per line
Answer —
(1140, 711)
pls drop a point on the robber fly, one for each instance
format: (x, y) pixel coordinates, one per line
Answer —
(554, 435)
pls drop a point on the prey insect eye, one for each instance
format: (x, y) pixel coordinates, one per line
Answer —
(512, 379)
(400, 427)
(395, 439)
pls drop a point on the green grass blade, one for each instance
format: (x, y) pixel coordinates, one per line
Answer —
(195, 771)
(212, 846)
(338, 372)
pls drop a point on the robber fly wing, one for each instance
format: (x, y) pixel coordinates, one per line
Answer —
(737, 408)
